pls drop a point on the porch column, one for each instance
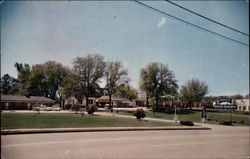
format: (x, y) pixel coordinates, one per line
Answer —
(6, 105)
(28, 106)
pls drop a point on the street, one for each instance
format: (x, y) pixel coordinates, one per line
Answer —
(220, 142)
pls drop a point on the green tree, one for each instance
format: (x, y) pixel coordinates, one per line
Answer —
(72, 87)
(54, 73)
(237, 96)
(46, 79)
(158, 80)
(126, 91)
(9, 85)
(193, 91)
(37, 81)
(24, 71)
(211, 98)
(90, 70)
(115, 77)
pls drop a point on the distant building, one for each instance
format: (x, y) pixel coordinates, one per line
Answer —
(141, 101)
(243, 104)
(23, 102)
(116, 101)
(92, 101)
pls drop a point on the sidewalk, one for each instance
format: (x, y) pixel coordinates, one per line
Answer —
(133, 117)
(211, 126)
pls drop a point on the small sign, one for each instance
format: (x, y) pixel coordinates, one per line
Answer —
(225, 106)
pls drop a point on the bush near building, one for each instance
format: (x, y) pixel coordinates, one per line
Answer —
(91, 109)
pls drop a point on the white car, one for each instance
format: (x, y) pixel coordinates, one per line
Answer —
(48, 108)
(56, 108)
(42, 108)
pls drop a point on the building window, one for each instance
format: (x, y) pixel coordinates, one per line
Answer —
(90, 101)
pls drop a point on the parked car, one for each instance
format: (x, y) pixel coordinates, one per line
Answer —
(56, 108)
(42, 107)
(48, 108)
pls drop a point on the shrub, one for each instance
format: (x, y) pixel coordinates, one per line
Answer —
(184, 111)
(226, 123)
(160, 109)
(91, 109)
(188, 123)
(169, 111)
(139, 113)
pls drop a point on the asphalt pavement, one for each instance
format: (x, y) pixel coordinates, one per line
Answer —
(220, 142)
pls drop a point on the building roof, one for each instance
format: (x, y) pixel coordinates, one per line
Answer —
(32, 99)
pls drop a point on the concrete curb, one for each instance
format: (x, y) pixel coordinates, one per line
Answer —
(99, 129)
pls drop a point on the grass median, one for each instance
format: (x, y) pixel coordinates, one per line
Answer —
(27, 120)
(195, 116)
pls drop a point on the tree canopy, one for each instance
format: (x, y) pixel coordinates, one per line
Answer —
(115, 76)
(158, 80)
(9, 85)
(126, 91)
(24, 71)
(193, 91)
(89, 70)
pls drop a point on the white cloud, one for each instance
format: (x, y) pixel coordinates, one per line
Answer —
(161, 22)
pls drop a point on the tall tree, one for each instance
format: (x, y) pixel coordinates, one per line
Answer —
(115, 76)
(46, 79)
(37, 81)
(72, 86)
(126, 91)
(5, 84)
(157, 81)
(24, 71)
(9, 85)
(54, 73)
(193, 91)
(89, 70)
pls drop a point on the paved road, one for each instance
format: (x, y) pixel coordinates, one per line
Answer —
(220, 142)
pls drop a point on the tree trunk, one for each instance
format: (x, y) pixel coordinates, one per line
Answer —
(190, 105)
(63, 103)
(87, 100)
(110, 97)
(147, 101)
(60, 101)
(156, 104)
(172, 104)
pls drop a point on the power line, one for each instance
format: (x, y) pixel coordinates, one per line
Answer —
(207, 18)
(196, 26)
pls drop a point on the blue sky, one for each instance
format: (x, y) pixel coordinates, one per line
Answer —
(36, 32)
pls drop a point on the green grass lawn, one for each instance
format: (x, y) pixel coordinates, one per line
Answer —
(22, 120)
(213, 117)
(236, 112)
